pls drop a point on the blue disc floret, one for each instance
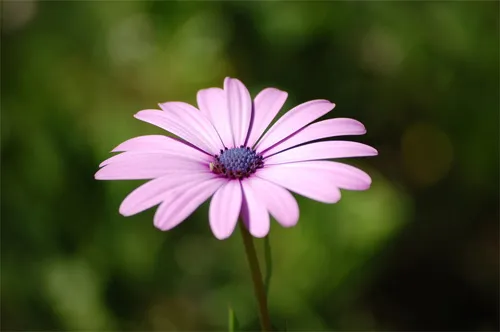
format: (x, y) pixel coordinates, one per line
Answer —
(237, 163)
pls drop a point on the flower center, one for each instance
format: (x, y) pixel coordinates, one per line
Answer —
(236, 163)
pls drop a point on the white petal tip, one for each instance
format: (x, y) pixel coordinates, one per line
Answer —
(366, 184)
(289, 224)
(221, 237)
(124, 212)
(139, 115)
(165, 106)
(334, 200)
(100, 176)
(278, 90)
(259, 234)
(362, 128)
(228, 80)
(160, 227)
(362, 187)
(125, 209)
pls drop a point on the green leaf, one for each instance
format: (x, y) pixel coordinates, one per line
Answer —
(269, 263)
(233, 321)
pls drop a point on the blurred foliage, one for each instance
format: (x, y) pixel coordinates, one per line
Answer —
(418, 251)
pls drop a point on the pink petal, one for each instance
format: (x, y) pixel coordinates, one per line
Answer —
(144, 145)
(195, 120)
(319, 130)
(159, 142)
(266, 105)
(341, 175)
(254, 212)
(225, 209)
(240, 109)
(161, 189)
(172, 212)
(213, 103)
(162, 154)
(308, 184)
(171, 123)
(146, 165)
(279, 201)
(322, 150)
(294, 120)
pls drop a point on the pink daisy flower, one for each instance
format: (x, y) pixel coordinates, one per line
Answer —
(223, 150)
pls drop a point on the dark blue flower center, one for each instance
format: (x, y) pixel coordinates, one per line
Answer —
(236, 163)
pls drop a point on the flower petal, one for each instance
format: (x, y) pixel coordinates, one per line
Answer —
(225, 209)
(160, 142)
(319, 130)
(341, 175)
(213, 103)
(171, 123)
(162, 154)
(295, 119)
(172, 212)
(308, 184)
(146, 165)
(194, 120)
(254, 212)
(279, 201)
(161, 189)
(240, 109)
(322, 150)
(266, 105)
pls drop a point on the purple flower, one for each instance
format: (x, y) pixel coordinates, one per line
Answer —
(223, 151)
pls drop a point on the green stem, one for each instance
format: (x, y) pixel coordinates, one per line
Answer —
(260, 291)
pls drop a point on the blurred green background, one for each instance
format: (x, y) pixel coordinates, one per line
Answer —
(418, 251)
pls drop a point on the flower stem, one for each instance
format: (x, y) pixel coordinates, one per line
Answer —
(260, 292)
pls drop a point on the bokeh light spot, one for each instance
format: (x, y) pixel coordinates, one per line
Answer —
(17, 14)
(381, 52)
